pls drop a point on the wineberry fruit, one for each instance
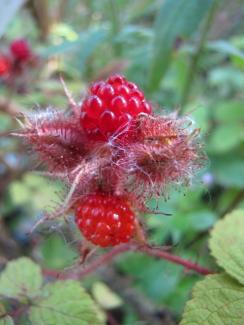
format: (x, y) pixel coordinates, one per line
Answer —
(110, 107)
(20, 49)
(5, 66)
(105, 220)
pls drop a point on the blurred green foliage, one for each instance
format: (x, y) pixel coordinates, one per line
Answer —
(188, 55)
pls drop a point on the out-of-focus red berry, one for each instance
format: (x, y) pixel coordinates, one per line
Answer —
(105, 220)
(5, 65)
(20, 49)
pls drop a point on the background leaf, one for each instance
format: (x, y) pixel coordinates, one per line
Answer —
(21, 277)
(65, 302)
(229, 170)
(227, 244)
(176, 18)
(217, 299)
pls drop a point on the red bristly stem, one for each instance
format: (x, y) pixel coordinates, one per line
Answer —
(106, 258)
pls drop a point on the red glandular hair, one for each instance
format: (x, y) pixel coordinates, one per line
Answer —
(167, 153)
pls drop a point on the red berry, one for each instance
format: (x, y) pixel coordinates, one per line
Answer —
(21, 50)
(108, 106)
(105, 220)
(5, 66)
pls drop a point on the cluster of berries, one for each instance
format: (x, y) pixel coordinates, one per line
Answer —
(108, 111)
(113, 153)
(16, 61)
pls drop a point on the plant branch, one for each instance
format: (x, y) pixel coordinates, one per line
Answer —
(110, 255)
(189, 265)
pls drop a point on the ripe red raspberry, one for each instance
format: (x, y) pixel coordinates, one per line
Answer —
(21, 49)
(110, 106)
(105, 220)
(5, 65)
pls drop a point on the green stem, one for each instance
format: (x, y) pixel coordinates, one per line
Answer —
(196, 57)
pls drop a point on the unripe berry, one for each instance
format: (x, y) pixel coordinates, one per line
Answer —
(105, 220)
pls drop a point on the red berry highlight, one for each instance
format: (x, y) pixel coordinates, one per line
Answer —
(108, 106)
(21, 50)
(105, 220)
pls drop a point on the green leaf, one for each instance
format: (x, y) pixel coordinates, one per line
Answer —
(226, 48)
(63, 303)
(5, 319)
(85, 44)
(20, 278)
(217, 300)
(92, 40)
(229, 172)
(8, 9)
(177, 18)
(105, 296)
(225, 138)
(229, 112)
(56, 252)
(36, 189)
(227, 244)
